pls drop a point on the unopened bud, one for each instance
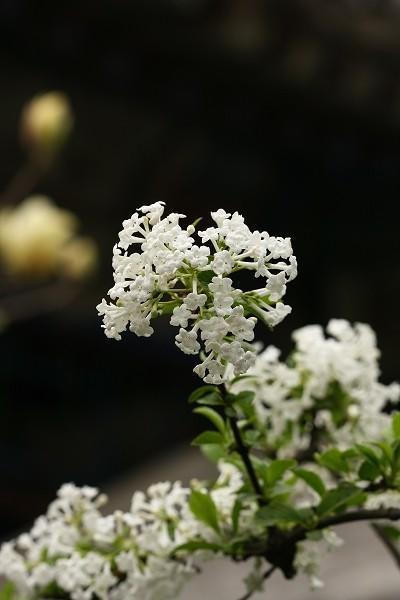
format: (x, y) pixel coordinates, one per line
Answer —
(46, 123)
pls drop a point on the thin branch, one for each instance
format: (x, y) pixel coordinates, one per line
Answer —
(245, 456)
(265, 576)
(22, 184)
(387, 542)
(364, 514)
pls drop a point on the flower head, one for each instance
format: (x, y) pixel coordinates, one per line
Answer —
(160, 269)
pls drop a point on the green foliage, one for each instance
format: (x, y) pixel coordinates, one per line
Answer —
(334, 460)
(203, 507)
(312, 479)
(277, 512)
(7, 592)
(214, 417)
(206, 394)
(208, 437)
(340, 498)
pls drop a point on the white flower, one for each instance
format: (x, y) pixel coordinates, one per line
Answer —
(194, 301)
(159, 269)
(181, 315)
(335, 377)
(187, 341)
(223, 263)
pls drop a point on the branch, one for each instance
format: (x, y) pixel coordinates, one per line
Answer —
(387, 542)
(265, 576)
(363, 514)
(244, 453)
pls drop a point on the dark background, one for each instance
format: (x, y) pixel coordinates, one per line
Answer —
(287, 111)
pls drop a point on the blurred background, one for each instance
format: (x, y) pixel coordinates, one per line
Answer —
(285, 110)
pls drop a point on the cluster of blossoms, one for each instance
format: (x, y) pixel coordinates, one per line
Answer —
(159, 269)
(327, 392)
(75, 550)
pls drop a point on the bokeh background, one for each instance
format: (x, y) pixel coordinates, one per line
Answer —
(285, 110)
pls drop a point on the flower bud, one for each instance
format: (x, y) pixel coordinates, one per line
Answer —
(46, 122)
(32, 236)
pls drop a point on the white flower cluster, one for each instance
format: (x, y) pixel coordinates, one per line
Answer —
(77, 551)
(327, 390)
(311, 551)
(159, 269)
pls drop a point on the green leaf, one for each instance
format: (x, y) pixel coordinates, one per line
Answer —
(279, 513)
(208, 437)
(206, 394)
(274, 471)
(333, 460)
(396, 425)
(197, 545)
(339, 498)
(202, 506)
(244, 402)
(205, 277)
(368, 471)
(370, 454)
(236, 510)
(7, 591)
(212, 416)
(312, 479)
(214, 452)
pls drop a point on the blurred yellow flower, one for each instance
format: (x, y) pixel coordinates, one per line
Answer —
(46, 122)
(37, 240)
(79, 257)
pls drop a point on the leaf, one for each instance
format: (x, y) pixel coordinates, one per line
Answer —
(396, 425)
(340, 497)
(236, 510)
(312, 479)
(368, 471)
(244, 401)
(7, 591)
(370, 454)
(202, 506)
(197, 545)
(279, 513)
(205, 277)
(214, 452)
(212, 416)
(206, 394)
(208, 437)
(333, 460)
(274, 471)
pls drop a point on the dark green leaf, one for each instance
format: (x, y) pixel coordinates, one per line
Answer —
(205, 277)
(339, 498)
(213, 416)
(206, 394)
(208, 437)
(274, 471)
(312, 479)
(202, 506)
(244, 401)
(236, 510)
(279, 513)
(368, 471)
(369, 453)
(332, 459)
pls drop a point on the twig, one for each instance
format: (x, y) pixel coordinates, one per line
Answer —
(387, 542)
(244, 453)
(22, 184)
(265, 576)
